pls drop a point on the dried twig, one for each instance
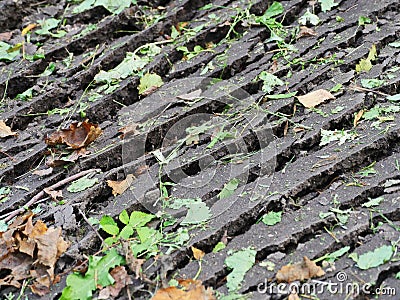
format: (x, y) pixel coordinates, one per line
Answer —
(91, 226)
(42, 193)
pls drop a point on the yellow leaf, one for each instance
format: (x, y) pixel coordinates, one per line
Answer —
(197, 253)
(28, 28)
(357, 117)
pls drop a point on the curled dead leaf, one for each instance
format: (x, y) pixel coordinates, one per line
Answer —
(5, 130)
(78, 135)
(118, 187)
(197, 253)
(315, 98)
(189, 289)
(121, 280)
(53, 194)
(301, 271)
(305, 31)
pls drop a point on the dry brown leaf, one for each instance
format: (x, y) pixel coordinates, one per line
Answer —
(30, 251)
(43, 172)
(5, 131)
(274, 66)
(53, 194)
(197, 253)
(78, 135)
(305, 31)
(134, 264)
(28, 28)
(357, 117)
(129, 130)
(301, 271)
(293, 296)
(314, 98)
(5, 36)
(121, 278)
(187, 290)
(141, 169)
(285, 129)
(118, 187)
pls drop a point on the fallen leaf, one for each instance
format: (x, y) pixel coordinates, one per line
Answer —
(293, 296)
(197, 253)
(305, 31)
(274, 66)
(187, 290)
(121, 278)
(128, 130)
(149, 83)
(314, 98)
(53, 194)
(118, 187)
(43, 172)
(190, 96)
(30, 251)
(5, 131)
(141, 169)
(77, 136)
(28, 28)
(301, 271)
(5, 36)
(357, 117)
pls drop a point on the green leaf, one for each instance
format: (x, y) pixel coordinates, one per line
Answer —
(272, 218)
(7, 52)
(198, 213)
(372, 83)
(3, 226)
(28, 94)
(148, 81)
(80, 287)
(342, 136)
(331, 257)
(124, 217)
(218, 247)
(374, 258)
(139, 219)
(275, 9)
(113, 6)
(282, 96)
(131, 65)
(337, 109)
(309, 17)
(240, 262)
(49, 24)
(362, 20)
(269, 81)
(82, 184)
(108, 224)
(220, 137)
(394, 97)
(373, 202)
(327, 4)
(229, 188)
(397, 275)
(149, 240)
(336, 88)
(126, 232)
(395, 44)
(365, 64)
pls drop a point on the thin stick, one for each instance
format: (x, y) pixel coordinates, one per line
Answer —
(91, 226)
(361, 89)
(42, 193)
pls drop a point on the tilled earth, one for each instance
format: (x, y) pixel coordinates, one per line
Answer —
(276, 153)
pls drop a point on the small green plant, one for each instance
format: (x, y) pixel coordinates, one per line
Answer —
(269, 80)
(188, 55)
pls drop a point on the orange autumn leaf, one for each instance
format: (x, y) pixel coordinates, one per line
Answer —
(301, 271)
(186, 290)
(357, 117)
(118, 187)
(78, 135)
